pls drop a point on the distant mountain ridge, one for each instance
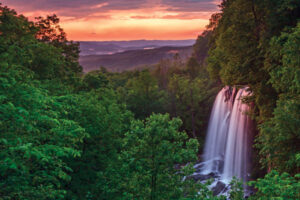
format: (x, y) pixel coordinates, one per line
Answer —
(112, 47)
(133, 59)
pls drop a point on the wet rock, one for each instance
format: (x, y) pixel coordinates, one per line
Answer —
(220, 186)
(202, 177)
(177, 166)
(200, 158)
(249, 192)
(199, 167)
(220, 165)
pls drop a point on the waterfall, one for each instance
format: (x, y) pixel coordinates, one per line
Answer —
(227, 145)
(217, 132)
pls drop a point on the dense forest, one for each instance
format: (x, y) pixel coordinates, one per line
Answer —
(136, 134)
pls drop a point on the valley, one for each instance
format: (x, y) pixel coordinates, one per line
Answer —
(133, 59)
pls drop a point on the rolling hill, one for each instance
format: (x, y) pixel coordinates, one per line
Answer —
(132, 59)
(112, 47)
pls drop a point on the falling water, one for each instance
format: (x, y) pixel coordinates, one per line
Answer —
(217, 133)
(237, 153)
(227, 144)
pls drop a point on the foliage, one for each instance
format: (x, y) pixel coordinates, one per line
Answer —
(151, 149)
(191, 98)
(237, 190)
(35, 139)
(143, 96)
(256, 43)
(235, 31)
(280, 135)
(106, 122)
(201, 47)
(200, 191)
(65, 135)
(283, 61)
(94, 80)
(277, 186)
(49, 58)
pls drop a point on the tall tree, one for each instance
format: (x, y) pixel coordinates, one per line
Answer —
(151, 149)
(143, 96)
(35, 140)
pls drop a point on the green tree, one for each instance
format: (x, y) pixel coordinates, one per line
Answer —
(280, 135)
(192, 98)
(151, 150)
(35, 46)
(193, 67)
(50, 32)
(277, 186)
(201, 47)
(236, 189)
(256, 43)
(95, 80)
(35, 139)
(143, 96)
(106, 121)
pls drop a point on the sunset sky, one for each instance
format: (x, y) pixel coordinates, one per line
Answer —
(95, 20)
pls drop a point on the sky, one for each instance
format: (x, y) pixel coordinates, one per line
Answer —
(104, 20)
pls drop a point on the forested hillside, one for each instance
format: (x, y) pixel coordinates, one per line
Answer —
(133, 59)
(136, 134)
(257, 43)
(112, 47)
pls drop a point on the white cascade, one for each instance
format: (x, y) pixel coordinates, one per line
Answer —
(227, 146)
(238, 143)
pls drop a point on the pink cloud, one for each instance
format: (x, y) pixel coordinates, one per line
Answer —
(113, 19)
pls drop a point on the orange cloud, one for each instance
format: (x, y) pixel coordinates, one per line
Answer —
(124, 20)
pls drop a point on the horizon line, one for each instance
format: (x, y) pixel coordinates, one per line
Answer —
(133, 40)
